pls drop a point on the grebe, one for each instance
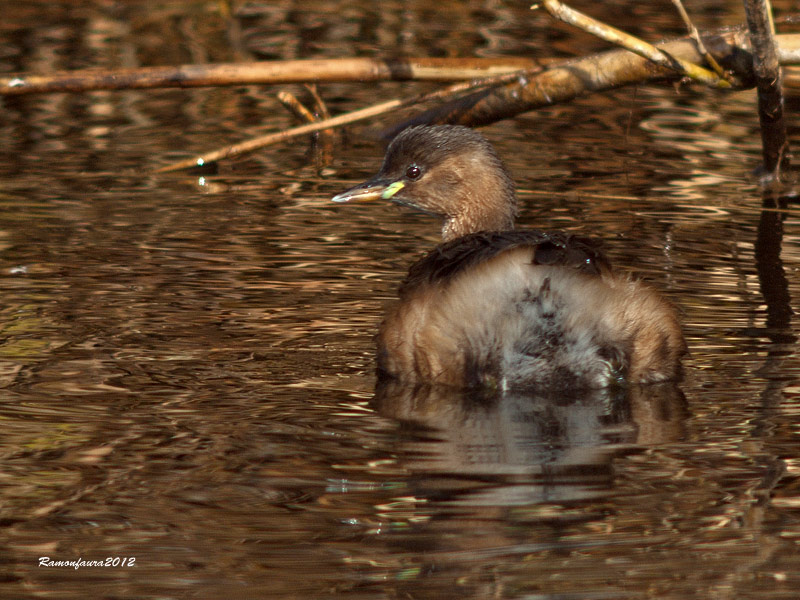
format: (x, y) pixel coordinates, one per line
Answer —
(502, 308)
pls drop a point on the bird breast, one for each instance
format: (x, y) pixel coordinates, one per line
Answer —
(509, 323)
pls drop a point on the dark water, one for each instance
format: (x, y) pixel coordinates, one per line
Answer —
(186, 363)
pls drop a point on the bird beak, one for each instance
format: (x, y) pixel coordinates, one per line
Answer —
(374, 189)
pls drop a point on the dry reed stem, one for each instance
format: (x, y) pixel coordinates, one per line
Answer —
(345, 119)
(564, 13)
(695, 35)
(261, 73)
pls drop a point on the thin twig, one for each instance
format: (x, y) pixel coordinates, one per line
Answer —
(323, 148)
(695, 35)
(599, 29)
(345, 119)
(278, 136)
(325, 142)
(290, 101)
(319, 104)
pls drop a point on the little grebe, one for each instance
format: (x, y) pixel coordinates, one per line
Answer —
(498, 307)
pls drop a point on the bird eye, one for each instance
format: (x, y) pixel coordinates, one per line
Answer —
(413, 172)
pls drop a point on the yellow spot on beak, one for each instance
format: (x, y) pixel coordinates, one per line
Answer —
(392, 189)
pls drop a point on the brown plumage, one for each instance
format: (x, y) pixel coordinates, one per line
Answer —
(498, 307)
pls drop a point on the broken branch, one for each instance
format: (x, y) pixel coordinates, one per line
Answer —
(652, 53)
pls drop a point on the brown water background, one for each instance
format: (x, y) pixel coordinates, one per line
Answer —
(186, 362)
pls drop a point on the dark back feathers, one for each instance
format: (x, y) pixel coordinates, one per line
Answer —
(550, 248)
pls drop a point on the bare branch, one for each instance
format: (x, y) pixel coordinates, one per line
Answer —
(266, 72)
(658, 56)
(345, 119)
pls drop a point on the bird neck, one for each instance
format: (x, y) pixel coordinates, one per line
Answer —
(492, 210)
